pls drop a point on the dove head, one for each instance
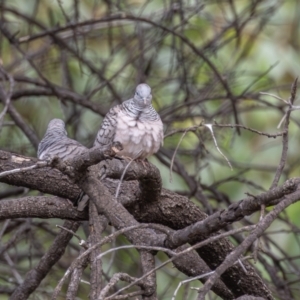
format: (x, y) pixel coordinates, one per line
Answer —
(57, 125)
(143, 96)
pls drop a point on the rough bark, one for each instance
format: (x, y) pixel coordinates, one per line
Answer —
(169, 209)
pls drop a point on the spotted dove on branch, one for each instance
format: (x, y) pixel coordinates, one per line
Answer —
(135, 124)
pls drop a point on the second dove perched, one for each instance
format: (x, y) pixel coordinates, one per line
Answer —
(135, 124)
(56, 143)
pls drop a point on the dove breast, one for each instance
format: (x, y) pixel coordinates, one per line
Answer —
(139, 139)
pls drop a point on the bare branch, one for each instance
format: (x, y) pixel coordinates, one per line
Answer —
(285, 138)
(256, 233)
(37, 274)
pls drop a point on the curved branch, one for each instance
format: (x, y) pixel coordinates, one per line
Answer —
(149, 177)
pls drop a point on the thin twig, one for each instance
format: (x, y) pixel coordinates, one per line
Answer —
(174, 154)
(274, 96)
(209, 126)
(250, 129)
(128, 296)
(189, 280)
(39, 164)
(113, 281)
(285, 137)
(88, 251)
(3, 227)
(13, 268)
(192, 128)
(6, 95)
(242, 266)
(154, 248)
(121, 179)
(82, 242)
(281, 121)
(257, 242)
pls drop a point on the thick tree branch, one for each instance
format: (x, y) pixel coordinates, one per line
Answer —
(114, 211)
(45, 207)
(235, 212)
(164, 212)
(46, 180)
(97, 224)
(149, 283)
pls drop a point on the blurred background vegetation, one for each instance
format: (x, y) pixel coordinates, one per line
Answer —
(206, 61)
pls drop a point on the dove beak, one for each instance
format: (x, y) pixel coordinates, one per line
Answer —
(145, 101)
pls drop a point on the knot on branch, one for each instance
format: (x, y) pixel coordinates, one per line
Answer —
(290, 185)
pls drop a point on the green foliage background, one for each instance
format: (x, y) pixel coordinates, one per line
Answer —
(268, 43)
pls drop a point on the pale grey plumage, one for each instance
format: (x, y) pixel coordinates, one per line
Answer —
(135, 124)
(56, 143)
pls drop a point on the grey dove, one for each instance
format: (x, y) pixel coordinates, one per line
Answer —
(135, 124)
(56, 143)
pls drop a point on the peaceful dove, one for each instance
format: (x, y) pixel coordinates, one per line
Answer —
(135, 124)
(57, 143)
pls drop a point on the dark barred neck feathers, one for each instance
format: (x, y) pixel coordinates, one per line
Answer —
(140, 112)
